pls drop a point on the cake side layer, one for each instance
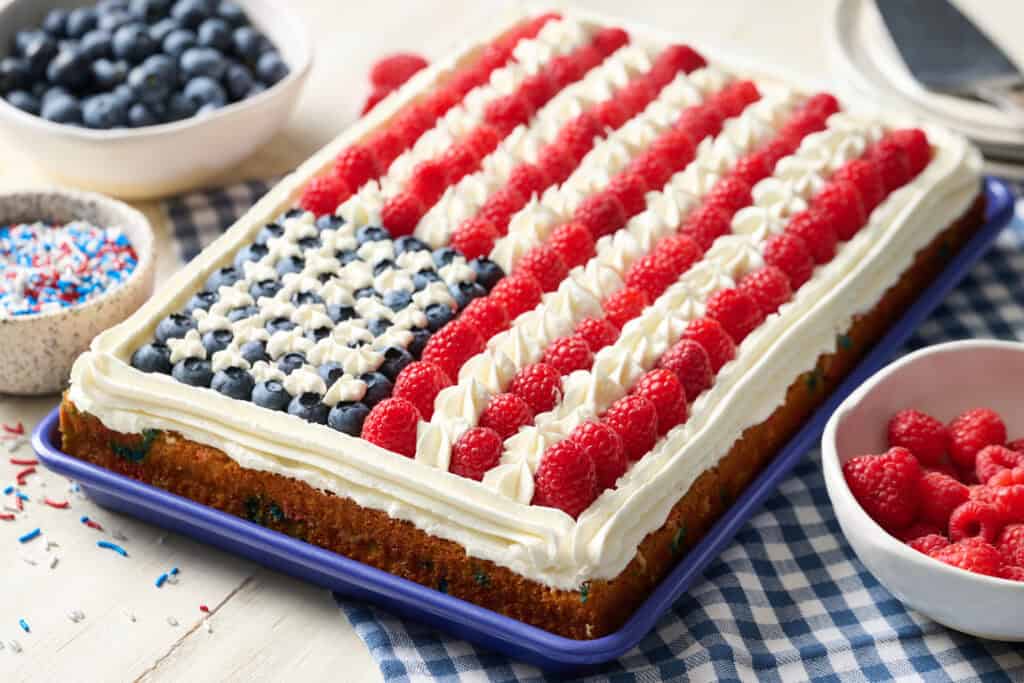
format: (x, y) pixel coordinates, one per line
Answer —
(209, 476)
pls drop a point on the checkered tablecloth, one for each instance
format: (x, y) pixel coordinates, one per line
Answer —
(786, 601)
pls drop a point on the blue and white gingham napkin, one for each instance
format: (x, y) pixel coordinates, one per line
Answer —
(786, 601)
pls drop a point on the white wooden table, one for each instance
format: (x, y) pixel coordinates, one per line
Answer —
(263, 626)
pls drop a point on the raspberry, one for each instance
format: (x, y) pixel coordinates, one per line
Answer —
(420, 383)
(610, 113)
(601, 213)
(690, 363)
(730, 194)
(738, 313)
(451, 346)
(841, 205)
(577, 136)
(355, 166)
(488, 315)
(789, 254)
(650, 274)
(573, 242)
(677, 252)
(993, 459)
(915, 143)
(675, 147)
(401, 214)
(505, 414)
(411, 123)
(500, 207)
(816, 232)
(629, 187)
(1010, 502)
(1012, 573)
(706, 224)
(921, 434)
(459, 161)
(972, 431)
(940, 494)
(1016, 445)
(394, 70)
(385, 147)
(975, 518)
(700, 121)
(482, 140)
(652, 168)
(440, 101)
(610, 39)
(662, 388)
(392, 425)
(865, 177)
(892, 164)
(520, 293)
(1007, 477)
(919, 529)
(428, 181)
(475, 237)
(538, 89)
(752, 168)
(637, 94)
(544, 264)
(715, 341)
(822, 105)
(635, 419)
(672, 60)
(886, 486)
(566, 479)
(528, 180)
(568, 354)
(587, 56)
(597, 333)
(624, 305)
(735, 97)
(323, 194)
(769, 287)
(801, 124)
(539, 385)
(974, 555)
(555, 162)
(505, 113)
(374, 98)
(563, 70)
(476, 451)
(778, 147)
(929, 544)
(1011, 544)
(604, 447)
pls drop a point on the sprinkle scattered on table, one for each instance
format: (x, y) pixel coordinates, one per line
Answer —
(25, 538)
(112, 546)
(24, 626)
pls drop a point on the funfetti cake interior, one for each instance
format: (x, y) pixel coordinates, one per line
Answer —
(583, 282)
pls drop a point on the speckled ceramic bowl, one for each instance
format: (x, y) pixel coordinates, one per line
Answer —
(36, 351)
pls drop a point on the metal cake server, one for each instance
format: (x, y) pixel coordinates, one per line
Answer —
(947, 53)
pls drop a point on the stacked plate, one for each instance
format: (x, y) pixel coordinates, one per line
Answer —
(868, 65)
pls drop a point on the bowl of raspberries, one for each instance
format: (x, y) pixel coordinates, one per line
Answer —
(142, 98)
(924, 465)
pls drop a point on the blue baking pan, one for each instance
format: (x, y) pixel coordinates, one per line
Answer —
(464, 619)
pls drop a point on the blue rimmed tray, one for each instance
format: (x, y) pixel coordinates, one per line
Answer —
(464, 619)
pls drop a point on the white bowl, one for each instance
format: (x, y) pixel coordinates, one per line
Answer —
(943, 381)
(37, 351)
(169, 158)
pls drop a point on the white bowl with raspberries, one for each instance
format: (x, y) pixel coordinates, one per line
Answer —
(922, 468)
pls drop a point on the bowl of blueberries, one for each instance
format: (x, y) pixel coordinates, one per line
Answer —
(144, 98)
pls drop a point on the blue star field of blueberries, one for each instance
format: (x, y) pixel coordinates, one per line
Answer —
(136, 63)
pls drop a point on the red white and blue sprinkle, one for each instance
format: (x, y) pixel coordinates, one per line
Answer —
(25, 538)
(112, 546)
(24, 626)
(45, 267)
(91, 524)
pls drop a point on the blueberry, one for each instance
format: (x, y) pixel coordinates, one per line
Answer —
(215, 33)
(438, 315)
(290, 362)
(378, 326)
(191, 13)
(216, 340)
(174, 326)
(161, 29)
(133, 43)
(378, 388)
(365, 292)
(140, 116)
(290, 264)
(80, 21)
(372, 233)
(108, 74)
(153, 357)
(256, 89)
(348, 417)
(104, 112)
(177, 41)
(271, 68)
(202, 61)
(395, 360)
(205, 93)
(154, 79)
(330, 372)
(329, 222)
(24, 38)
(14, 74)
(302, 298)
(114, 19)
(346, 256)
(271, 394)
(337, 313)
(397, 299)
(223, 277)
(279, 325)
(230, 12)
(56, 22)
(385, 264)
(149, 10)
(264, 288)
(70, 68)
(180, 107)
(269, 232)
(233, 383)
(294, 212)
(318, 334)
(97, 44)
(465, 292)
(239, 81)
(193, 371)
(488, 273)
(203, 300)
(243, 312)
(423, 278)
(248, 43)
(309, 407)
(40, 53)
(420, 337)
(253, 252)
(310, 243)
(25, 101)
(409, 243)
(254, 351)
(64, 109)
(444, 255)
